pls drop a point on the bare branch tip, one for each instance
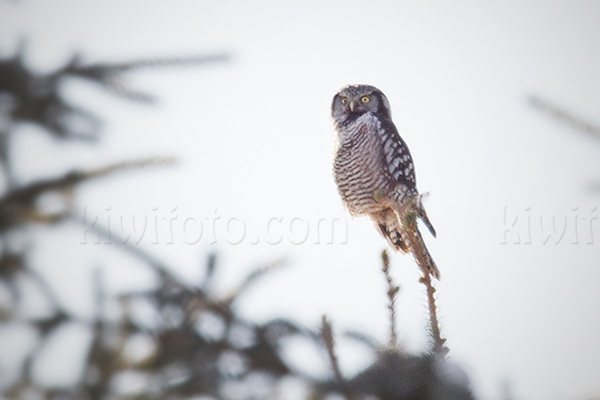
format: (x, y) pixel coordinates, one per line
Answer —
(329, 340)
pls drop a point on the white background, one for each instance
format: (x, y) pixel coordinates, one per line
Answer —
(254, 141)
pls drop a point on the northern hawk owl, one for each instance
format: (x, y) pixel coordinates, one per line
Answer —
(373, 168)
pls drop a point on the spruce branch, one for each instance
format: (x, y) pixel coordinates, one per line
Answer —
(409, 216)
(20, 204)
(439, 343)
(110, 76)
(37, 98)
(392, 292)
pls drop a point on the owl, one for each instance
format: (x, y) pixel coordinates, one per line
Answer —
(373, 168)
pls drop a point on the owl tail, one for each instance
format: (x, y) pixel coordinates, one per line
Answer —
(392, 234)
(423, 215)
(422, 255)
(390, 228)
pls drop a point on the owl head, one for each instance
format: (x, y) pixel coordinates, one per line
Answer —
(353, 101)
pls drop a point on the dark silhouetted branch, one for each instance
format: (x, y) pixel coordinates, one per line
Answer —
(20, 204)
(567, 117)
(252, 278)
(329, 340)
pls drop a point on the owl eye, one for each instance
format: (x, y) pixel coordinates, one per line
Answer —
(344, 100)
(365, 99)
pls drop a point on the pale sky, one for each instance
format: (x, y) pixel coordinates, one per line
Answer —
(254, 142)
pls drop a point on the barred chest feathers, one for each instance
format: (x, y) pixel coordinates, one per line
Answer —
(359, 168)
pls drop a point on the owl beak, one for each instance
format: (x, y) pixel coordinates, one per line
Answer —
(351, 105)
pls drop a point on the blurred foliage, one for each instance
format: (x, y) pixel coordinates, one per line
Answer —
(566, 117)
(569, 119)
(193, 342)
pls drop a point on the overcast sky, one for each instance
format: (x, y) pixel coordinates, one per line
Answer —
(254, 143)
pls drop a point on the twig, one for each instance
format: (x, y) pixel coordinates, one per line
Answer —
(211, 266)
(328, 338)
(162, 269)
(362, 338)
(439, 343)
(251, 279)
(567, 117)
(110, 76)
(98, 360)
(100, 70)
(392, 292)
(6, 166)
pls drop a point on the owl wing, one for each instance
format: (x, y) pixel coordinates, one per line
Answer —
(399, 164)
(398, 160)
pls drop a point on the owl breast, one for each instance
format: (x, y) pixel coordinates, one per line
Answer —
(360, 174)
